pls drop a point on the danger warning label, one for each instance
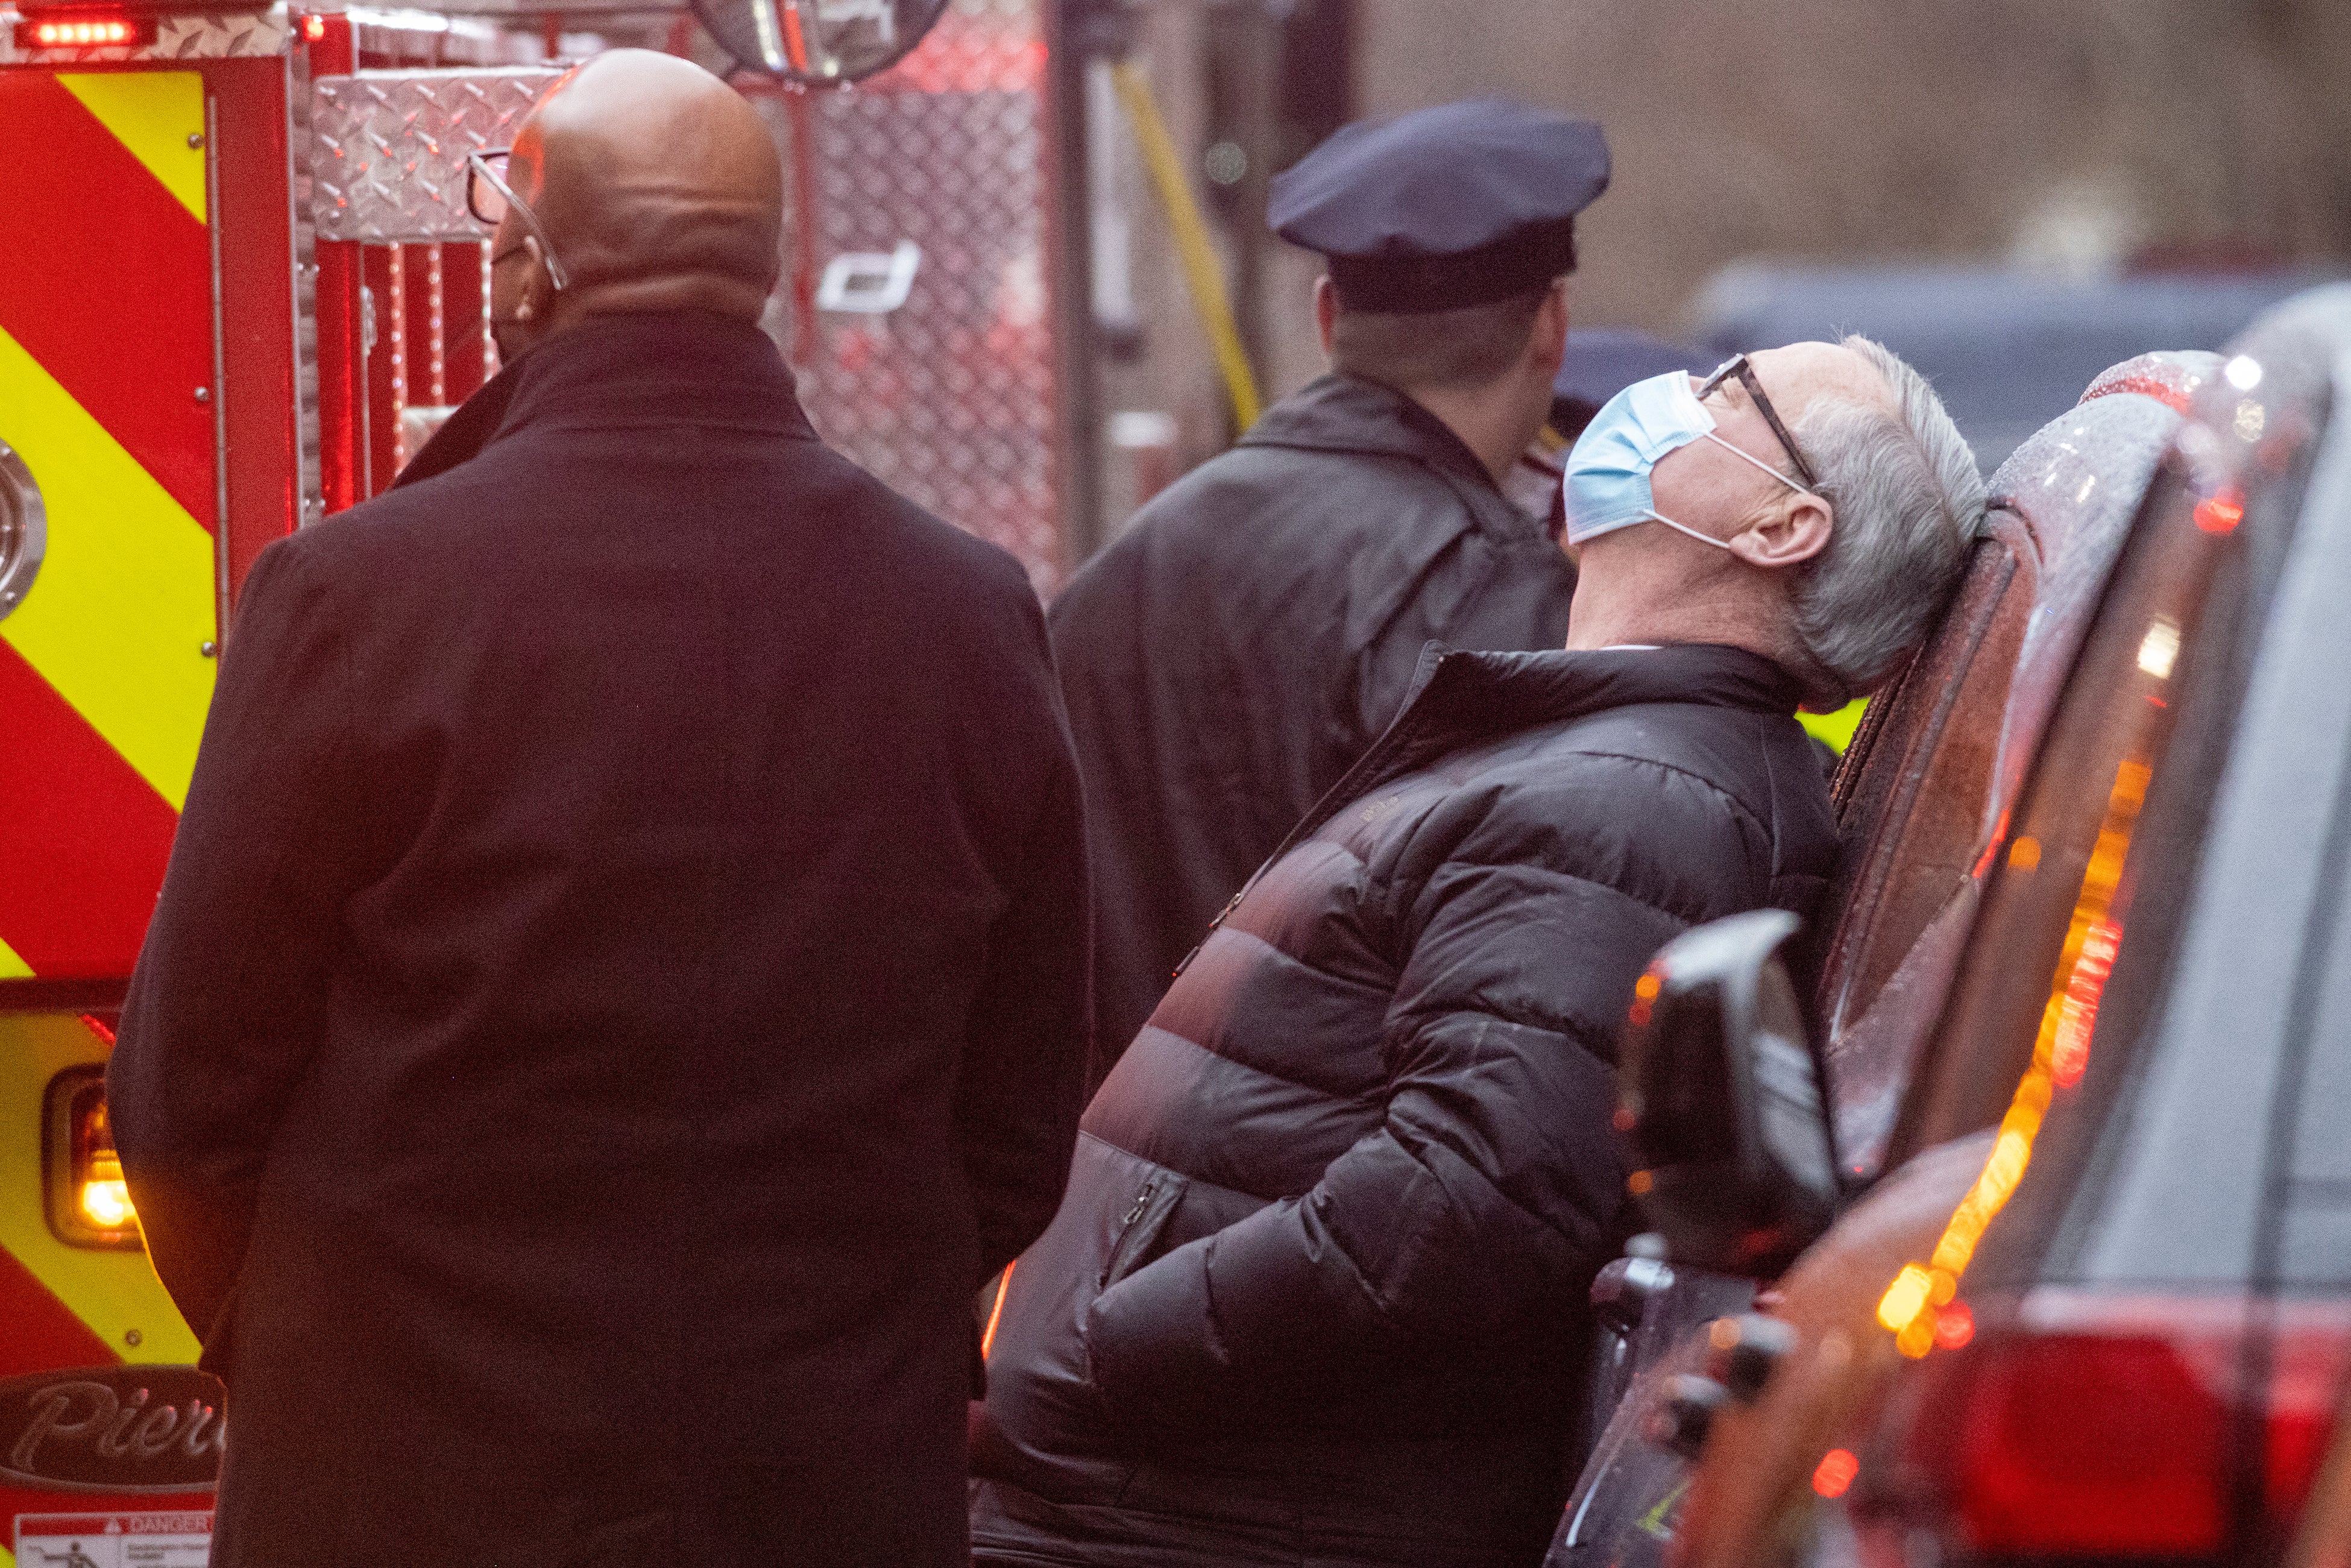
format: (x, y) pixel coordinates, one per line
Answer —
(113, 1540)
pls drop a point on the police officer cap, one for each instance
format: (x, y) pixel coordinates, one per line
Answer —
(1443, 208)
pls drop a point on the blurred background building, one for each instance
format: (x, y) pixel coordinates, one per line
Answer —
(989, 302)
(2049, 146)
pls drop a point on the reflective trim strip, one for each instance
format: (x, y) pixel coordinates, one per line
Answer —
(118, 617)
(106, 280)
(83, 839)
(43, 1332)
(109, 1293)
(152, 114)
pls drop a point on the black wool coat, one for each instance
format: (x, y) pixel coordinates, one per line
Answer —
(1319, 1292)
(1238, 646)
(618, 991)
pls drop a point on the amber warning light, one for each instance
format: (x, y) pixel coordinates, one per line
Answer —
(85, 30)
(88, 1204)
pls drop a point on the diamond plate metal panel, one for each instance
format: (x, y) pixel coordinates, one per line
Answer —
(388, 148)
(949, 398)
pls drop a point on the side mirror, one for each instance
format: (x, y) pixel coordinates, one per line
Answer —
(818, 43)
(1717, 1091)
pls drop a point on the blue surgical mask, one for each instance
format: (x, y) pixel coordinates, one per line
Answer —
(1608, 479)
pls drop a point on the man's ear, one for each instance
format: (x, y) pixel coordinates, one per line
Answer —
(1549, 343)
(538, 291)
(1787, 536)
(1326, 313)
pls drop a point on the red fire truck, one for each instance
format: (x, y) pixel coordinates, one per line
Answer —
(237, 287)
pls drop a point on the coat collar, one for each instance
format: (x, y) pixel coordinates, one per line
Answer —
(652, 369)
(1458, 698)
(1347, 413)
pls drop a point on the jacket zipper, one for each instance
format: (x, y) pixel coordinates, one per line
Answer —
(1115, 1254)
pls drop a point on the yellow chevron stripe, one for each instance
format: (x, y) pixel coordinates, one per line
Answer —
(112, 1292)
(123, 603)
(152, 113)
(11, 967)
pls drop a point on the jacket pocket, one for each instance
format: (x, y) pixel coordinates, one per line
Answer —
(1141, 1226)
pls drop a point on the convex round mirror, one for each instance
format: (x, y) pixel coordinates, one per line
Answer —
(819, 43)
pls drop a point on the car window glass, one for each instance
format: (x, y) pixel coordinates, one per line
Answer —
(2159, 1178)
(2153, 891)
(1911, 810)
(1931, 754)
(2058, 891)
(2160, 665)
(2314, 1244)
(1927, 780)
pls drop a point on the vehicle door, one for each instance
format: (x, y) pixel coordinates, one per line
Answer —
(1923, 789)
(2172, 1279)
(1982, 1390)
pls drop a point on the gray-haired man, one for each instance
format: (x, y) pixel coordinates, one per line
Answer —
(1807, 499)
(1313, 1291)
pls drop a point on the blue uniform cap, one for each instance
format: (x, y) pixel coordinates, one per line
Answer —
(1444, 208)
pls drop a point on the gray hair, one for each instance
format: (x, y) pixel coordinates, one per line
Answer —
(1908, 499)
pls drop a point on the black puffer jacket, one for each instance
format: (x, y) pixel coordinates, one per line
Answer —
(1316, 1292)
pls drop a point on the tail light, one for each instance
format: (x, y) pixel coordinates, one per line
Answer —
(2123, 1429)
(87, 1203)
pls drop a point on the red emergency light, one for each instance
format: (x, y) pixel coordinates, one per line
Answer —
(85, 30)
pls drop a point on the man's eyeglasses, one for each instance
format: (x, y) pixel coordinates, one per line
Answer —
(488, 197)
(1737, 365)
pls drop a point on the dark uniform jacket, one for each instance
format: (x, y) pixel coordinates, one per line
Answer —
(1252, 631)
(582, 1063)
(1318, 1292)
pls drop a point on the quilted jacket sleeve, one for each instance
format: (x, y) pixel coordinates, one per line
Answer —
(1464, 1231)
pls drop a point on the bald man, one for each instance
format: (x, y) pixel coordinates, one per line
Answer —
(581, 1065)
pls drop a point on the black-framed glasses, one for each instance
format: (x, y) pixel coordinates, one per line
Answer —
(488, 197)
(1738, 365)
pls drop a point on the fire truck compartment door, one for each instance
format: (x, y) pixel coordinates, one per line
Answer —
(107, 403)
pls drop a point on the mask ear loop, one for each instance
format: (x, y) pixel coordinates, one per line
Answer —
(1758, 461)
(1722, 545)
(1748, 457)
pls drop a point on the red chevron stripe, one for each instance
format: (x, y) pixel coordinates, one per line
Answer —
(80, 863)
(43, 1332)
(105, 278)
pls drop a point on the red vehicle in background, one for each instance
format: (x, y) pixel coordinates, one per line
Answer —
(2100, 1309)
